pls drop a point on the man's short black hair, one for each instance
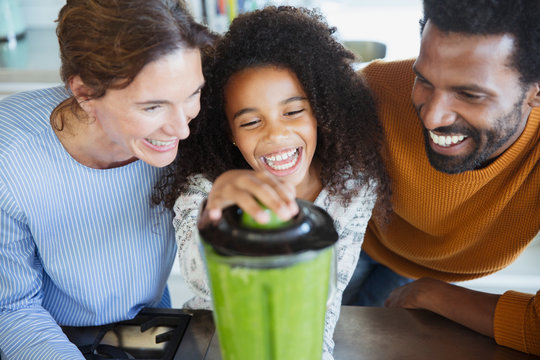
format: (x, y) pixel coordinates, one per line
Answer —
(518, 18)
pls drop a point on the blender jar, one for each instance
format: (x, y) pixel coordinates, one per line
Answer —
(270, 286)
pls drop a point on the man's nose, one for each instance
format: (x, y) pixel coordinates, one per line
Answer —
(436, 111)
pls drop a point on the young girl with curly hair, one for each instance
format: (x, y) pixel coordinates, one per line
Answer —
(283, 115)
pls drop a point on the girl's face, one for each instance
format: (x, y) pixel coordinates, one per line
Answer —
(272, 123)
(146, 119)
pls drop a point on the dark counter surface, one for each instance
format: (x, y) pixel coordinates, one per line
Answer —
(368, 333)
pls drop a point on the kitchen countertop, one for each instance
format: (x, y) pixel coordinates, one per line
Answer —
(369, 333)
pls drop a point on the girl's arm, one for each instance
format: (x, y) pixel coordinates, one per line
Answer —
(186, 209)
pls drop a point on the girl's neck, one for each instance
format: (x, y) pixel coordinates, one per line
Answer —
(311, 187)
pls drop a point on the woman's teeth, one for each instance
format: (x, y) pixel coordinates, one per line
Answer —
(160, 143)
(446, 140)
(286, 159)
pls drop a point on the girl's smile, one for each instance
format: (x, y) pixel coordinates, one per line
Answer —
(272, 123)
(284, 162)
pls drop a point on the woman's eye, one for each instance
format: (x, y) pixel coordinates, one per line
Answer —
(294, 112)
(197, 93)
(250, 123)
(152, 108)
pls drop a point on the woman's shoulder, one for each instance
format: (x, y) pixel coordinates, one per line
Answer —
(26, 114)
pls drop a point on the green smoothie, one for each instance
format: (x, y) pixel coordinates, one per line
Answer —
(270, 282)
(270, 313)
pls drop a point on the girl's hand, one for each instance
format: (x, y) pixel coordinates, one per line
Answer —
(244, 188)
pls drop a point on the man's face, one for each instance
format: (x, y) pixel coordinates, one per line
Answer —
(470, 100)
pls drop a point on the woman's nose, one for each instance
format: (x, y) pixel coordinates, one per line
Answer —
(179, 124)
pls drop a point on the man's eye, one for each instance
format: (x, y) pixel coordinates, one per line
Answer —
(294, 112)
(422, 81)
(250, 123)
(470, 96)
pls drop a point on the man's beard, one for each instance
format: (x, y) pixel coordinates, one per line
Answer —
(486, 142)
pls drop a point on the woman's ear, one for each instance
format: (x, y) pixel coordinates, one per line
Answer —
(81, 92)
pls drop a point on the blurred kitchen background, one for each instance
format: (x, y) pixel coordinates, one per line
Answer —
(372, 28)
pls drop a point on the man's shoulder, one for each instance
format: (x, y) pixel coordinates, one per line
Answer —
(395, 75)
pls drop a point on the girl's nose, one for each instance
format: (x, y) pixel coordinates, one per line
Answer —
(276, 129)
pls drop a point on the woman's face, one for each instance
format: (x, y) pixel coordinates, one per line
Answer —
(146, 119)
(272, 123)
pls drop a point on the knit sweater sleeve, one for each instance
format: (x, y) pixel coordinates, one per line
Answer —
(517, 321)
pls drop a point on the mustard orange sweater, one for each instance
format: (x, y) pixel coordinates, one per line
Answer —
(461, 226)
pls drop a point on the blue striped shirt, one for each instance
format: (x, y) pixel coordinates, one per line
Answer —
(78, 246)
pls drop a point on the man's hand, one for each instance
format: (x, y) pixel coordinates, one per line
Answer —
(472, 309)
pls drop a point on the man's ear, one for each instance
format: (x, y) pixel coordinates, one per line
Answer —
(534, 99)
(81, 92)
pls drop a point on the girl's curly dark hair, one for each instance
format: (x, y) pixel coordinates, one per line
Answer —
(349, 136)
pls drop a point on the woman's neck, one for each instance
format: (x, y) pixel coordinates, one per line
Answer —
(88, 144)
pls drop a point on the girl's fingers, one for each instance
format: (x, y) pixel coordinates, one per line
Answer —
(244, 188)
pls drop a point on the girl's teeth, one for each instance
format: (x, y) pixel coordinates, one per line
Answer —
(446, 140)
(291, 155)
(282, 156)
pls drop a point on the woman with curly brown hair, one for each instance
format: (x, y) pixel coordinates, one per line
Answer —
(283, 116)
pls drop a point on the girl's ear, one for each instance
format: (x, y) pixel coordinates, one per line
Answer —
(81, 92)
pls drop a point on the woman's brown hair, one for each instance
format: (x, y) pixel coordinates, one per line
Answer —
(108, 42)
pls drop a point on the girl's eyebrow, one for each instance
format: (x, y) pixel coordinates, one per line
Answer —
(292, 99)
(284, 102)
(243, 111)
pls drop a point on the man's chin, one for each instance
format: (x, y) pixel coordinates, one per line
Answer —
(451, 164)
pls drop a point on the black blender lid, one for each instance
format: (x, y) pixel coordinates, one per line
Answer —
(311, 229)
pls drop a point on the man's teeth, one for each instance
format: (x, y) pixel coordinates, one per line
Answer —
(291, 155)
(446, 140)
(160, 143)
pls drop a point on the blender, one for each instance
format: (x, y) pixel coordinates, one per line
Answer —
(270, 283)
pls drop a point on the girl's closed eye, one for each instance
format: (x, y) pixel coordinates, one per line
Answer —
(250, 123)
(294, 112)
